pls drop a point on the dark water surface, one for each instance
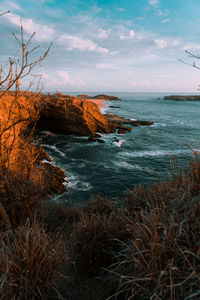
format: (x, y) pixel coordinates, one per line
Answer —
(140, 157)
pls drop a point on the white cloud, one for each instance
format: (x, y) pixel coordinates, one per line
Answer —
(71, 42)
(153, 2)
(166, 20)
(130, 36)
(43, 32)
(161, 13)
(167, 42)
(161, 43)
(102, 33)
(134, 84)
(63, 78)
(106, 66)
(191, 46)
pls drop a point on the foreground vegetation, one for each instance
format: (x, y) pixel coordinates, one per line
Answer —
(148, 247)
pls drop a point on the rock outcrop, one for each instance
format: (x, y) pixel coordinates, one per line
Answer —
(100, 97)
(183, 97)
(71, 115)
(57, 113)
(120, 120)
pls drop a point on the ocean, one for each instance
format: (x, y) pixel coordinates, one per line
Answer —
(143, 156)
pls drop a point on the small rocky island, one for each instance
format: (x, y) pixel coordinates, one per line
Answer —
(183, 97)
(99, 97)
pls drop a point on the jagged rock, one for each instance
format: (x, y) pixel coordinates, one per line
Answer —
(121, 131)
(120, 120)
(92, 139)
(100, 141)
(72, 116)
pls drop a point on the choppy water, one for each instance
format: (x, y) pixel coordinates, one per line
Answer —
(141, 156)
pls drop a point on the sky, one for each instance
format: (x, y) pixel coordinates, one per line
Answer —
(108, 45)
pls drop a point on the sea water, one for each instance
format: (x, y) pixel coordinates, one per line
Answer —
(142, 156)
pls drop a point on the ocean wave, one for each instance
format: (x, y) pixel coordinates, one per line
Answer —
(128, 166)
(75, 183)
(118, 143)
(54, 148)
(155, 153)
(159, 125)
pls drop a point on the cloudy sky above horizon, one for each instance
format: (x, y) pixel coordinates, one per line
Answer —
(109, 45)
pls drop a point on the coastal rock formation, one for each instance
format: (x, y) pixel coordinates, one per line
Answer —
(100, 97)
(22, 160)
(183, 97)
(71, 115)
(58, 113)
(120, 120)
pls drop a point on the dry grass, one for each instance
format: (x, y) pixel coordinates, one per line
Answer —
(30, 261)
(162, 258)
(97, 236)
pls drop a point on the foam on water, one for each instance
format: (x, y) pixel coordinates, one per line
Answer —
(118, 143)
(54, 148)
(155, 153)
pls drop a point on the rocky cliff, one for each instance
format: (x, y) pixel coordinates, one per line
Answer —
(21, 112)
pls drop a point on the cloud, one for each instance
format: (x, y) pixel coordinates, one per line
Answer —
(61, 78)
(130, 36)
(43, 32)
(134, 84)
(102, 33)
(166, 20)
(106, 66)
(71, 42)
(161, 13)
(168, 42)
(161, 43)
(153, 2)
(191, 46)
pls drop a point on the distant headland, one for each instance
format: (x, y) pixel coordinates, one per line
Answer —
(183, 97)
(99, 97)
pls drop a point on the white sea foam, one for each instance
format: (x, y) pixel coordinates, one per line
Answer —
(159, 125)
(155, 153)
(45, 161)
(118, 143)
(126, 165)
(76, 184)
(53, 147)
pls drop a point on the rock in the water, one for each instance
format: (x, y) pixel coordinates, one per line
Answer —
(183, 97)
(92, 139)
(100, 141)
(121, 131)
(100, 97)
(120, 120)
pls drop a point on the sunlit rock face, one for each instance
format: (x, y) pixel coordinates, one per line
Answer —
(71, 115)
(21, 159)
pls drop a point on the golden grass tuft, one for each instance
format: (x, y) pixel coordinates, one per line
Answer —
(30, 262)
